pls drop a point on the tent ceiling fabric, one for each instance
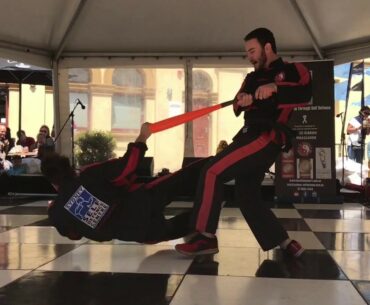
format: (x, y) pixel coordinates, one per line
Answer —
(72, 28)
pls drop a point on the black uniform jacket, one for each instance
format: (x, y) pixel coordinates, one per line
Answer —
(105, 202)
(293, 81)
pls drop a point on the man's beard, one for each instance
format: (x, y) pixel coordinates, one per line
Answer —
(262, 61)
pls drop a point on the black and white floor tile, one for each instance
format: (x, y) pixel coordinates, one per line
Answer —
(38, 266)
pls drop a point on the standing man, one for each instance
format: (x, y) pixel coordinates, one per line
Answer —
(357, 129)
(267, 97)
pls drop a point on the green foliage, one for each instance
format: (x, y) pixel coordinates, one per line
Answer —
(95, 146)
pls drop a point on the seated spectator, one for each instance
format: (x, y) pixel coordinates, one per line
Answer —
(221, 146)
(4, 142)
(43, 145)
(44, 141)
(4, 149)
(8, 136)
(25, 141)
(52, 134)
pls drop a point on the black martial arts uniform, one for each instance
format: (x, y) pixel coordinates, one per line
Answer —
(253, 150)
(107, 202)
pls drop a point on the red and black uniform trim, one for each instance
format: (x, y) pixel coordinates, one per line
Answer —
(135, 209)
(110, 182)
(253, 150)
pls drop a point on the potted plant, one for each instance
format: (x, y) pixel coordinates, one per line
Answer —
(95, 146)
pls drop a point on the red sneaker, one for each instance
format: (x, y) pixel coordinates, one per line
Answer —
(294, 248)
(198, 245)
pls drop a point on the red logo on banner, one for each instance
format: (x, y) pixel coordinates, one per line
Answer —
(304, 149)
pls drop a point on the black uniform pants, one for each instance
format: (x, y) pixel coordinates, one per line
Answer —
(162, 192)
(246, 160)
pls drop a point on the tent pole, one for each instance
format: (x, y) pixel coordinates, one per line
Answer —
(345, 118)
(20, 106)
(308, 28)
(69, 29)
(189, 139)
(56, 102)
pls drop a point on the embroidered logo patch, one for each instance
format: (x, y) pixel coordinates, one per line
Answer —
(280, 77)
(86, 207)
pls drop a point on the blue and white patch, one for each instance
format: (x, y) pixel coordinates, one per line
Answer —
(86, 207)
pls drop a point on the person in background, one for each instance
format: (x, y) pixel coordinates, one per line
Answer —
(357, 131)
(24, 140)
(52, 134)
(44, 129)
(4, 149)
(44, 142)
(9, 138)
(221, 146)
(4, 142)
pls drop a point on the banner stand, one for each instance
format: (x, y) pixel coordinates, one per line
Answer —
(306, 174)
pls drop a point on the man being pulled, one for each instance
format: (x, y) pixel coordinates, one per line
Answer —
(107, 201)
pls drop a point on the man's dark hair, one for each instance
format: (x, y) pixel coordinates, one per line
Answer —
(56, 168)
(365, 110)
(263, 36)
(19, 132)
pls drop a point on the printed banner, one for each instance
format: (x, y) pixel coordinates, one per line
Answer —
(307, 172)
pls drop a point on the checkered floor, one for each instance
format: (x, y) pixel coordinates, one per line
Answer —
(37, 266)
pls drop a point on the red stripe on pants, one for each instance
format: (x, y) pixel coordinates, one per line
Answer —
(217, 168)
(131, 166)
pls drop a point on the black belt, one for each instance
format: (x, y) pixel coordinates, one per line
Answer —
(289, 136)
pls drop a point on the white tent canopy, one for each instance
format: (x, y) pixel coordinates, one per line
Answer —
(40, 31)
(60, 34)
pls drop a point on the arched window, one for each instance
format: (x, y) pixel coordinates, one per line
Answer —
(128, 101)
(128, 78)
(202, 82)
